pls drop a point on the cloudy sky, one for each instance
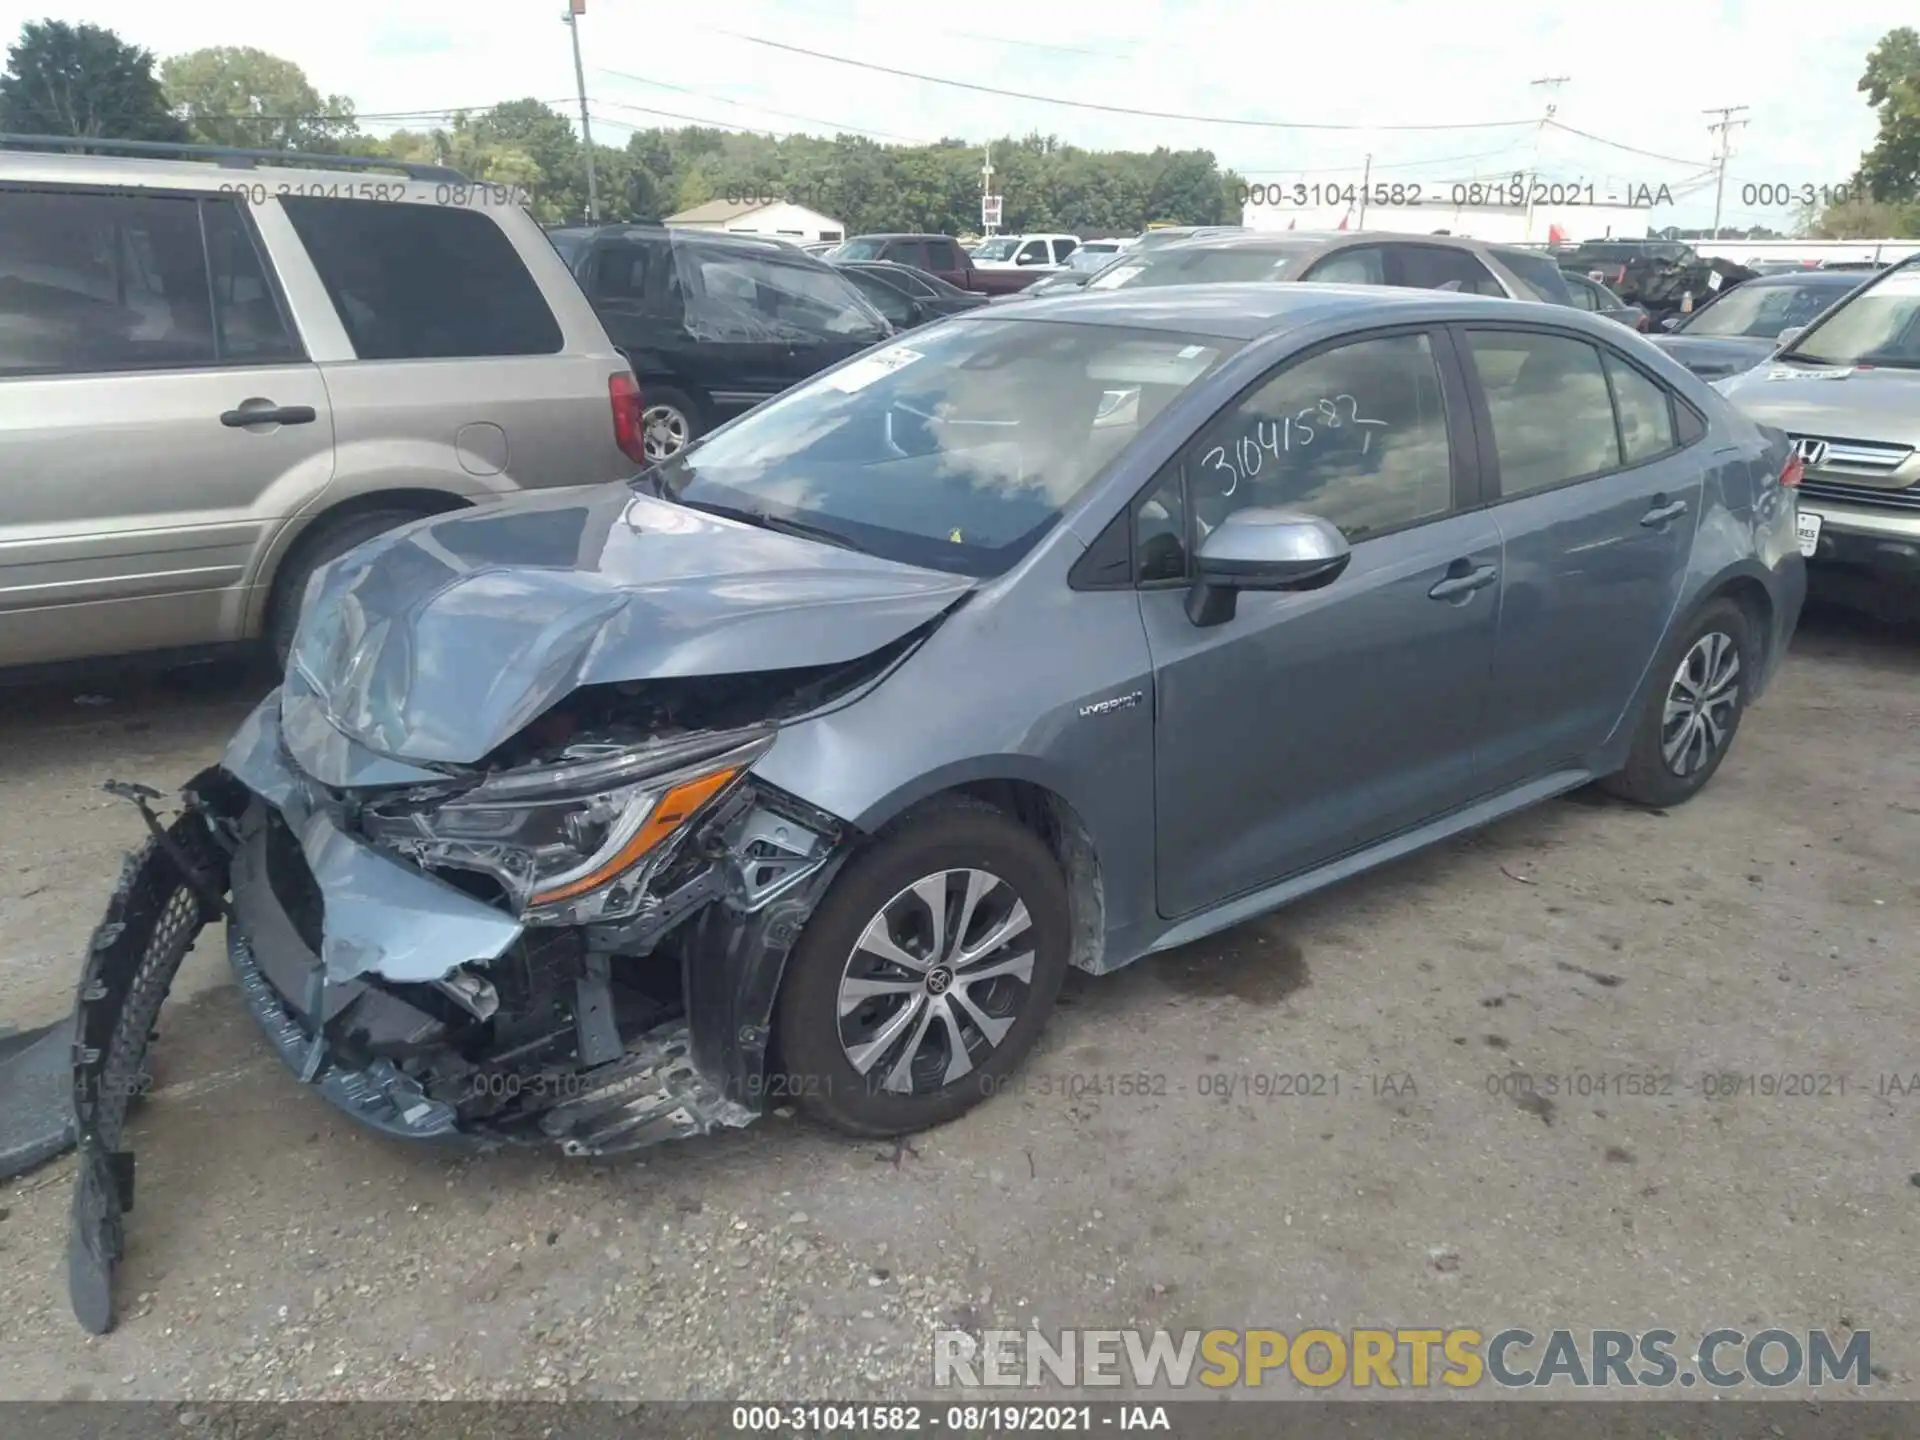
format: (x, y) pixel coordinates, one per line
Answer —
(1369, 73)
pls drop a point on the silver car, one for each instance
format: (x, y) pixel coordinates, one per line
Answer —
(214, 377)
(1425, 262)
(1847, 389)
(1045, 637)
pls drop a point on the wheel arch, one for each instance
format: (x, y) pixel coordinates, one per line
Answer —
(300, 533)
(1051, 818)
(1739, 582)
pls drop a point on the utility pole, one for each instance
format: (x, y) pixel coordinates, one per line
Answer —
(1366, 184)
(986, 190)
(1552, 84)
(575, 9)
(1723, 147)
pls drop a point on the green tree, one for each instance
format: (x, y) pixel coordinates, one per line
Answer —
(1890, 171)
(544, 136)
(82, 80)
(237, 95)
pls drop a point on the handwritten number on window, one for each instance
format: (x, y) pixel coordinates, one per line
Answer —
(1289, 433)
(1216, 459)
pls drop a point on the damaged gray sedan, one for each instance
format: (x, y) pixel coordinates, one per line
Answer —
(804, 766)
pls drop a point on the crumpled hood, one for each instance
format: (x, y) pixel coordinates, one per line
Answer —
(1711, 356)
(443, 639)
(1877, 405)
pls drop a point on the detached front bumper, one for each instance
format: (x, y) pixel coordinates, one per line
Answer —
(372, 981)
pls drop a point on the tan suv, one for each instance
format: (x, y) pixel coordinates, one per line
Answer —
(217, 374)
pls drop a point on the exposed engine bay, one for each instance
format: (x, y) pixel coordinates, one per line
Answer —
(576, 942)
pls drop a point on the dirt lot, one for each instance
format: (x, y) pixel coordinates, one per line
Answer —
(1769, 928)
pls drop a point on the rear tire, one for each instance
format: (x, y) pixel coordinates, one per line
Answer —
(670, 421)
(1689, 721)
(328, 540)
(879, 993)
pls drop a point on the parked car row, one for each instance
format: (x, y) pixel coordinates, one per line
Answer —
(333, 335)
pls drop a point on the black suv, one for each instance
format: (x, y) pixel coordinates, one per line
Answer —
(714, 323)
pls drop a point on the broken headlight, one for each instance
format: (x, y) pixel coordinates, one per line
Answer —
(573, 842)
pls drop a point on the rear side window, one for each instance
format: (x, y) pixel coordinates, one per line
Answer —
(908, 281)
(943, 255)
(95, 283)
(621, 270)
(250, 328)
(423, 282)
(1548, 399)
(1541, 274)
(1646, 419)
(883, 297)
(1359, 266)
(905, 252)
(1434, 267)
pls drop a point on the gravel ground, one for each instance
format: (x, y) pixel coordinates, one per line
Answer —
(1769, 927)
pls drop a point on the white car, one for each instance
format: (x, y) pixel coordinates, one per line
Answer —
(1021, 252)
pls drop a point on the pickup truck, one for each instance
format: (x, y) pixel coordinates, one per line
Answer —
(939, 255)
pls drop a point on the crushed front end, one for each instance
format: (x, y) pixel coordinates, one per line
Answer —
(576, 942)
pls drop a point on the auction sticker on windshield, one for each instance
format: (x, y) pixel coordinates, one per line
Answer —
(1114, 279)
(864, 372)
(1807, 530)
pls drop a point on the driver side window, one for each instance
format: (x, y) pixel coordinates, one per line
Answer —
(1356, 435)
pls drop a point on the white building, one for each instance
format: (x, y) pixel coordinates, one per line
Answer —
(777, 218)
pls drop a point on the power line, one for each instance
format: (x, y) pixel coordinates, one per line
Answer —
(762, 109)
(1616, 145)
(1394, 165)
(1000, 40)
(1106, 109)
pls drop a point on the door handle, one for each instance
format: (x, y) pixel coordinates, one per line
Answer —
(1455, 587)
(279, 415)
(1661, 514)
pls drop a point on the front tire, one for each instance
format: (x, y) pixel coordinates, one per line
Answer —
(927, 973)
(1689, 722)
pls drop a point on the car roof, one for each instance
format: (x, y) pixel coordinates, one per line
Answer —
(897, 235)
(1832, 279)
(1278, 240)
(1250, 310)
(64, 168)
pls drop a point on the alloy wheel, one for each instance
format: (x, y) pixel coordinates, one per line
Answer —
(1701, 703)
(665, 431)
(936, 980)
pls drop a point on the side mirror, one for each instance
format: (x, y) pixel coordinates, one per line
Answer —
(1789, 335)
(1027, 260)
(1263, 549)
(1669, 322)
(916, 313)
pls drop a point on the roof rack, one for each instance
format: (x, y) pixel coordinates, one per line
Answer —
(234, 158)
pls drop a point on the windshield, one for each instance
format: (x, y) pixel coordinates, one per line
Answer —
(1761, 312)
(864, 248)
(1175, 266)
(771, 296)
(1876, 326)
(955, 449)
